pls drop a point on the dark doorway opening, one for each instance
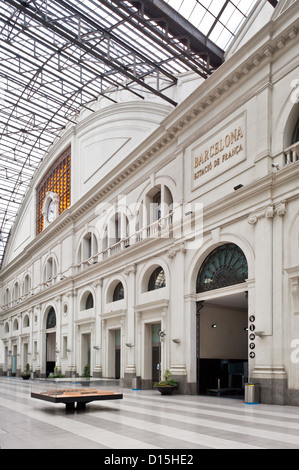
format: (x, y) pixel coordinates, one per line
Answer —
(156, 353)
(222, 345)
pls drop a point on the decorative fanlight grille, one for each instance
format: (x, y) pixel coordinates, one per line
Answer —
(225, 266)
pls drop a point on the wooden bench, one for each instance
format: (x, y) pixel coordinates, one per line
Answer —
(80, 396)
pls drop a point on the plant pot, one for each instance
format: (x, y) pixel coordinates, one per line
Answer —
(25, 377)
(166, 389)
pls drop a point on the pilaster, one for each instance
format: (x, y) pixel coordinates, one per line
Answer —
(130, 341)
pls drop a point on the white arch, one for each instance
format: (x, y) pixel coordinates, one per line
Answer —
(110, 286)
(83, 297)
(147, 270)
(208, 246)
(55, 259)
(46, 311)
(93, 232)
(284, 125)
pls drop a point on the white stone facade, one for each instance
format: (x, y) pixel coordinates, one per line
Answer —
(227, 170)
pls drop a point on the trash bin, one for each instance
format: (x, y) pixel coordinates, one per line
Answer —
(136, 383)
(252, 392)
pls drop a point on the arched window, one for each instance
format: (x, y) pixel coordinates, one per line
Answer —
(89, 301)
(157, 206)
(16, 291)
(225, 266)
(157, 279)
(118, 228)
(118, 293)
(50, 269)
(88, 248)
(51, 319)
(295, 137)
(7, 296)
(27, 284)
(26, 321)
(58, 181)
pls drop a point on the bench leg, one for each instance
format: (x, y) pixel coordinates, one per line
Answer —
(69, 406)
(81, 405)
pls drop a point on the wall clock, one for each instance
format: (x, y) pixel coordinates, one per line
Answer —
(51, 211)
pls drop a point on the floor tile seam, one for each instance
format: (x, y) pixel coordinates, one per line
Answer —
(231, 418)
(246, 408)
(89, 431)
(148, 434)
(155, 403)
(193, 426)
(208, 431)
(237, 428)
(173, 432)
(250, 410)
(223, 415)
(215, 419)
(129, 421)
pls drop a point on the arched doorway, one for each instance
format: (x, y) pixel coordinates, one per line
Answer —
(50, 341)
(222, 321)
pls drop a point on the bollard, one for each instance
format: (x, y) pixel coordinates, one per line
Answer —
(251, 394)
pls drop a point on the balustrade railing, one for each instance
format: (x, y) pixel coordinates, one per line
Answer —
(291, 154)
(157, 229)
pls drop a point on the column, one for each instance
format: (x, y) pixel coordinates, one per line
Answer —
(190, 342)
(58, 351)
(98, 370)
(130, 340)
(263, 223)
(30, 342)
(71, 364)
(40, 348)
(176, 320)
(268, 369)
(20, 344)
(279, 314)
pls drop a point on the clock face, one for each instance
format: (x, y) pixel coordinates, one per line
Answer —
(50, 212)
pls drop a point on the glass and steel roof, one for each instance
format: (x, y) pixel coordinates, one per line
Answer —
(57, 57)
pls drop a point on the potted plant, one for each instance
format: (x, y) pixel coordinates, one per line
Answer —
(86, 371)
(55, 374)
(26, 374)
(167, 385)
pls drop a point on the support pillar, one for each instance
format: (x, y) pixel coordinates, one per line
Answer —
(130, 350)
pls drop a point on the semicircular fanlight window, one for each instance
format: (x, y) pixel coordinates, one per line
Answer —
(225, 266)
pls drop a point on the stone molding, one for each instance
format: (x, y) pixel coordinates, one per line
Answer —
(269, 213)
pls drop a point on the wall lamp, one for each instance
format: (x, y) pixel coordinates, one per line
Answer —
(189, 213)
(177, 341)
(96, 347)
(130, 345)
(214, 325)
(238, 187)
(260, 334)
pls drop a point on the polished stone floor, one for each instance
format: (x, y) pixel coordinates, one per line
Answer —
(143, 420)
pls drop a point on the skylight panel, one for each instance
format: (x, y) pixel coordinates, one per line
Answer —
(218, 19)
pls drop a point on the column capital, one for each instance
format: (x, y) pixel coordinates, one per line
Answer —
(130, 269)
(172, 252)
